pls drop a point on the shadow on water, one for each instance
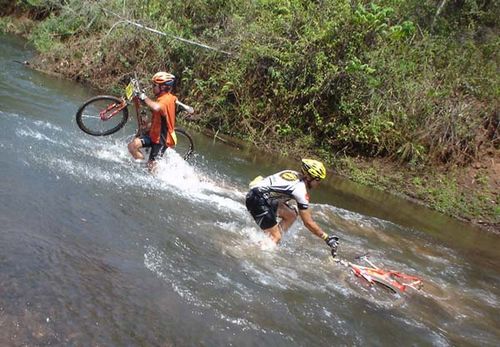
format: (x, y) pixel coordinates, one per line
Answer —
(93, 251)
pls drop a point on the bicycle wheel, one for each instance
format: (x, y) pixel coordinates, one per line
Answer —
(102, 115)
(185, 145)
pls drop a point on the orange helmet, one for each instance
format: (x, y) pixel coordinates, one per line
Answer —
(163, 77)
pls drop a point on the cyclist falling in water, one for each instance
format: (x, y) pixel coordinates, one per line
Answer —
(161, 133)
(268, 197)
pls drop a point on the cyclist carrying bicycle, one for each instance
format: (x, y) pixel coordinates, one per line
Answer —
(161, 133)
(268, 197)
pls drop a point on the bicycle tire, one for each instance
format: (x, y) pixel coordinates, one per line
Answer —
(185, 144)
(89, 120)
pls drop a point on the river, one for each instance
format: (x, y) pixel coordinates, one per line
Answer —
(94, 251)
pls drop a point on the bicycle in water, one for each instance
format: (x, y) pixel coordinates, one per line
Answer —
(104, 115)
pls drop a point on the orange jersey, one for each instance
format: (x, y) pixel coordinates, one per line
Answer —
(163, 121)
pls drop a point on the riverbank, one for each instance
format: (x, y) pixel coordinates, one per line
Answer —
(466, 191)
(469, 194)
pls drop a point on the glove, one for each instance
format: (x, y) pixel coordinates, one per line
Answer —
(333, 243)
(142, 96)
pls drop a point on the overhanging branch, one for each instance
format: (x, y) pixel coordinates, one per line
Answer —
(127, 21)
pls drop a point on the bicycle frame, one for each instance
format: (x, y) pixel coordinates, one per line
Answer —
(128, 98)
(394, 280)
(131, 97)
(104, 113)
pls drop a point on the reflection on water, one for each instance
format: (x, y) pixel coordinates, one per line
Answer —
(93, 251)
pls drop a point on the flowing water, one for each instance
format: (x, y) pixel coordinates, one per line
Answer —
(94, 251)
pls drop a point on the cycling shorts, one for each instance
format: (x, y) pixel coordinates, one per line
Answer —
(263, 210)
(157, 150)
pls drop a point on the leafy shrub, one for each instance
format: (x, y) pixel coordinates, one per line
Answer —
(402, 79)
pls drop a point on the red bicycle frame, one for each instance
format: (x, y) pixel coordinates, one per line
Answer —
(394, 280)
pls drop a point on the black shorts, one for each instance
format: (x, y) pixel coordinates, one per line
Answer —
(157, 150)
(264, 211)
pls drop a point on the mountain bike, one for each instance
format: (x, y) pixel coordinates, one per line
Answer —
(394, 280)
(104, 115)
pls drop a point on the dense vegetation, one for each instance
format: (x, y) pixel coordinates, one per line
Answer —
(414, 82)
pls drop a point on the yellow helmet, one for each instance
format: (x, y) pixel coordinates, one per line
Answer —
(314, 168)
(255, 181)
(163, 77)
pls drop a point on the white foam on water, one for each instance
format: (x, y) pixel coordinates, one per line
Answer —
(154, 261)
(438, 339)
(188, 181)
(30, 133)
(47, 125)
(244, 293)
(10, 114)
(174, 174)
(116, 153)
(272, 265)
(488, 298)
(251, 233)
(81, 170)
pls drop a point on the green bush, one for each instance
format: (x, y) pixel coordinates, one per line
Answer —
(390, 78)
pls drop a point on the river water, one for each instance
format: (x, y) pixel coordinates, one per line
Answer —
(96, 252)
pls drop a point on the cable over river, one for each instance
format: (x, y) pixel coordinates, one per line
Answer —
(94, 251)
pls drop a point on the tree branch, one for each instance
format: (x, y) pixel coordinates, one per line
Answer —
(438, 12)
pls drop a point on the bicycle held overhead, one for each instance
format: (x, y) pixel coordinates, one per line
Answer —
(104, 115)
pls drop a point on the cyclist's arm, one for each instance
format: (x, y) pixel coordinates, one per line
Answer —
(153, 105)
(310, 224)
(188, 108)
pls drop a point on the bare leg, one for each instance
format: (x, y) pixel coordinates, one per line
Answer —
(134, 148)
(274, 233)
(288, 216)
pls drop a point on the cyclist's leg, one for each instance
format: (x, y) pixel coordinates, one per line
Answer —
(162, 151)
(287, 214)
(156, 153)
(274, 233)
(264, 215)
(136, 144)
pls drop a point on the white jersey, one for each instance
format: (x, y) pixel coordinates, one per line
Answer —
(285, 185)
